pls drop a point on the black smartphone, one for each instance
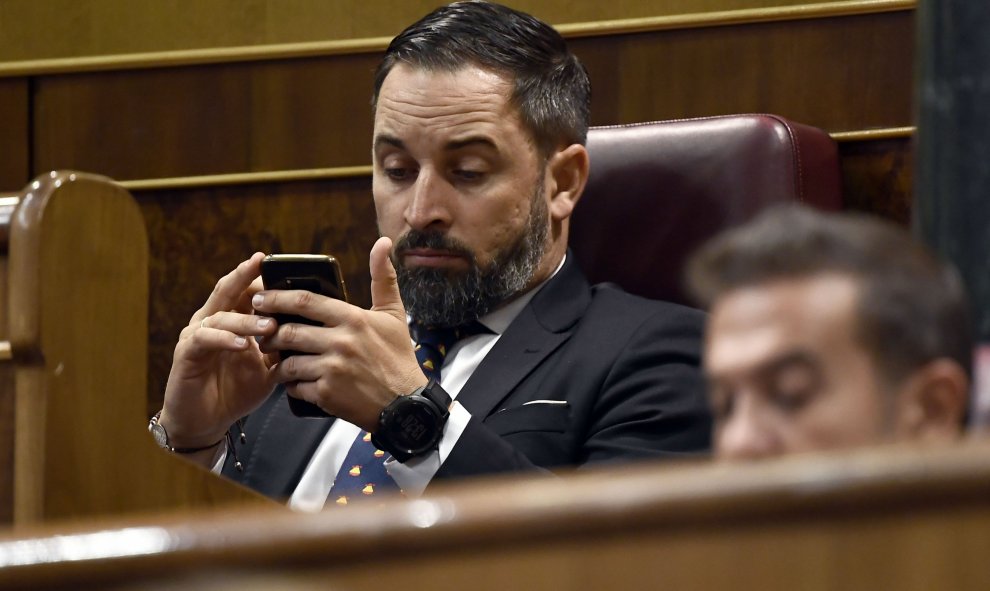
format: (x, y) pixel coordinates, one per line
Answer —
(312, 272)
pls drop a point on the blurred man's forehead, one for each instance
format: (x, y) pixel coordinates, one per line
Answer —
(751, 325)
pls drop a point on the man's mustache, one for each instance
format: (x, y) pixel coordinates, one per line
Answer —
(414, 239)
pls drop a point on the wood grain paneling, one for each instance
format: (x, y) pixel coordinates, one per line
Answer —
(198, 235)
(206, 120)
(71, 28)
(877, 177)
(14, 122)
(839, 74)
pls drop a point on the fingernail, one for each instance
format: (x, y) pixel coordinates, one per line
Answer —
(240, 341)
(264, 322)
(257, 300)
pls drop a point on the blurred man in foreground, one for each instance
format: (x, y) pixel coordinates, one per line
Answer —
(830, 331)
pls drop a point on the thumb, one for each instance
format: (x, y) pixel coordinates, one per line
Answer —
(384, 284)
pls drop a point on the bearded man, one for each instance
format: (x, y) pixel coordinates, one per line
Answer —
(481, 115)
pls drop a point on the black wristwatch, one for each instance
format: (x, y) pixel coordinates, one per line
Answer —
(412, 425)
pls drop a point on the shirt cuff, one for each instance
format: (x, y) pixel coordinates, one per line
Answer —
(413, 476)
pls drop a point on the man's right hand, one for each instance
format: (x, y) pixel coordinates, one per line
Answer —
(218, 373)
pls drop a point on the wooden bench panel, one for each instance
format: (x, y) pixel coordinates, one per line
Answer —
(896, 518)
(77, 317)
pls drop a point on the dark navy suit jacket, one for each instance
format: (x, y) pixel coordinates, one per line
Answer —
(626, 367)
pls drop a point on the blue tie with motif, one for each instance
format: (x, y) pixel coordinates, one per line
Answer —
(363, 472)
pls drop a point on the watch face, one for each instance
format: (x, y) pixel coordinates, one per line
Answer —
(158, 432)
(415, 428)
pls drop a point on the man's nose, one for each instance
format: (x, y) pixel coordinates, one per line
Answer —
(747, 433)
(429, 206)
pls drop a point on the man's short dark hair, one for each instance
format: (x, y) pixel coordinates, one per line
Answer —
(551, 87)
(911, 308)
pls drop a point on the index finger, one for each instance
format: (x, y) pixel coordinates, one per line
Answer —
(229, 292)
(314, 306)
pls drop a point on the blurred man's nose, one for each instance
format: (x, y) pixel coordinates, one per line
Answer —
(749, 432)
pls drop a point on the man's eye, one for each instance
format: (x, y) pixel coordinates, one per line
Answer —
(792, 397)
(397, 173)
(791, 388)
(468, 175)
(720, 401)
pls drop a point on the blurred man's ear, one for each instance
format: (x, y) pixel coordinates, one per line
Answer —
(932, 402)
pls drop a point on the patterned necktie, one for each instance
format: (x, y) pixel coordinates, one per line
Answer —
(432, 344)
(363, 472)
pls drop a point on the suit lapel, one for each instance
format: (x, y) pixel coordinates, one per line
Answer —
(541, 327)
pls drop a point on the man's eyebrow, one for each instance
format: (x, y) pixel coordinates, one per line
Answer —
(388, 140)
(799, 358)
(470, 141)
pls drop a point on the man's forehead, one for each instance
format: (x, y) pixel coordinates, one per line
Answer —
(413, 84)
(754, 324)
(804, 298)
(446, 109)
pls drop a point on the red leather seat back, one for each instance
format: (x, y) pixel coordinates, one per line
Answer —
(658, 190)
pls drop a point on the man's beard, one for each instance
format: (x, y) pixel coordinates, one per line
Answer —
(444, 298)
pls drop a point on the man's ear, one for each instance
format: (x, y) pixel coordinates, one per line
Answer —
(933, 402)
(568, 171)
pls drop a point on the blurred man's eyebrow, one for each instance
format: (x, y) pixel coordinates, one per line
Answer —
(800, 358)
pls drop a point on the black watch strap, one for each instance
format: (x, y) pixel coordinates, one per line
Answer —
(438, 396)
(413, 425)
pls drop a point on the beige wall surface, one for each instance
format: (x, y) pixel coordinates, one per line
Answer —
(51, 29)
